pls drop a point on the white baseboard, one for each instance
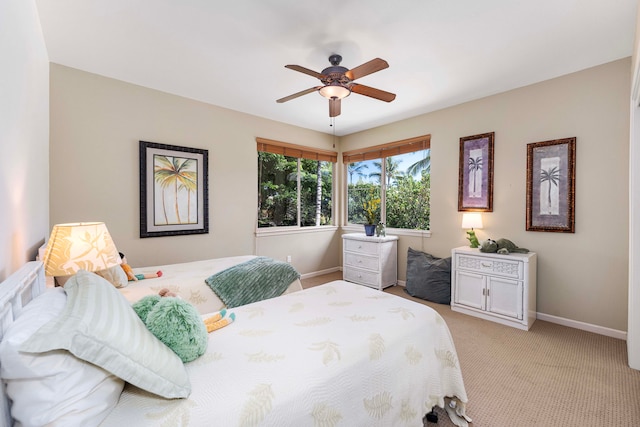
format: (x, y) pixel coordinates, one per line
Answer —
(614, 333)
(320, 273)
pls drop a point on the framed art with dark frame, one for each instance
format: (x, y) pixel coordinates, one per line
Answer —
(551, 185)
(174, 198)
(475, 175)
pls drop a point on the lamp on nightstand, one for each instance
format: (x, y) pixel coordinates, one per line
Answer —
(79, 246)
(471, 221)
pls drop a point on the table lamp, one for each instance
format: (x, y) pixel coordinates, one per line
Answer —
(79, 246)
(471, 221)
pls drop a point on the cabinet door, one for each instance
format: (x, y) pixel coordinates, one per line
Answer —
(470, 289)
(504, 297)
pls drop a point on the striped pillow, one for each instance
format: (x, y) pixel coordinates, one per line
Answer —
(99, 326)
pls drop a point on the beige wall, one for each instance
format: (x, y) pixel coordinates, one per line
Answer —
(581, 276)
(310, 252)
(24, 136)
(96, 123)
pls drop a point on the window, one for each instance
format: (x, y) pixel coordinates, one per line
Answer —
(295, 185)
(402, 186)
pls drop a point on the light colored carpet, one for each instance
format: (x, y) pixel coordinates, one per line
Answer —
(548, 376)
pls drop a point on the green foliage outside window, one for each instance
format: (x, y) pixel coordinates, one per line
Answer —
(408, 203)
(278, 191)
(407, 196)
(407, 191)
(315, 210)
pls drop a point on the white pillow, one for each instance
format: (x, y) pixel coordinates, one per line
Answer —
(53, 388)
(98, 325)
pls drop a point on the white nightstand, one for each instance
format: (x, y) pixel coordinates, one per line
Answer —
(370, 261)
(501, 288)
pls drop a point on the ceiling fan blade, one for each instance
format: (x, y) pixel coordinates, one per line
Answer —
(305, 71)
(367, 68)
(334, 107)
(373, 92)
(297, 94)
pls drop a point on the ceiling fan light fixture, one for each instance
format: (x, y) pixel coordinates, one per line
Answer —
(334, 90)
(338, 82)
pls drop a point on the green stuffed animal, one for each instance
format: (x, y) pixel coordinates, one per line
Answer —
(178, 324)
(473, 240)
(501, 246)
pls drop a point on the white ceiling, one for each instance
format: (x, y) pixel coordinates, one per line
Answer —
(232, 53)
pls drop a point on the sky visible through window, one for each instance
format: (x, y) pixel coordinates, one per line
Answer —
(405, 160)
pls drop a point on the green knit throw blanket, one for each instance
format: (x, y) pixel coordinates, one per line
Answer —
(254, 280)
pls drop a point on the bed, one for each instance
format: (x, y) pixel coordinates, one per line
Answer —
(336, 354)
(188, 281)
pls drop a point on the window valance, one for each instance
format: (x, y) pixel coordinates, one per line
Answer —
(292, 150)
(387, 150)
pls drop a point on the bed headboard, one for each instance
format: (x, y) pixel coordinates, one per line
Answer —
(16, 292)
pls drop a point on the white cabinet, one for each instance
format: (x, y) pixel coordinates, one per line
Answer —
(501, 288)
(370, 261)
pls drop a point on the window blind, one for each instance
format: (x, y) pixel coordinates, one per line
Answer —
(292, 150)
(387, 150)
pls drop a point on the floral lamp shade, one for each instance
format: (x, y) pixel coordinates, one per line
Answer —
(79, 246)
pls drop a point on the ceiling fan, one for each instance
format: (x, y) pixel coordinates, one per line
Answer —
(338, 82)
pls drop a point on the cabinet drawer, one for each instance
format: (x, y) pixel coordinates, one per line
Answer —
(499, 267)
(363, 277)
(361, 261)
(370, 248)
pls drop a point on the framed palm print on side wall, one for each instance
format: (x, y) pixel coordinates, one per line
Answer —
(174, 196)
(475, 175)
(551, 185)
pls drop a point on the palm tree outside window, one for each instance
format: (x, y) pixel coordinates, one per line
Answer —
(295, 184)
(403, 186)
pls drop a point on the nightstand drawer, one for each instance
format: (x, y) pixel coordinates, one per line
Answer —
(501, 267)
(361, 261)
(370, 248)
(363, 277)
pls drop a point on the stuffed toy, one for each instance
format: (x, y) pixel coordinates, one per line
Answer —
(178, 324)
(214, 322)
(473, 240)
(135, 277)
(501, 246)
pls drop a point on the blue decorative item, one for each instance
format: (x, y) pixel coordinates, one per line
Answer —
(369, 229)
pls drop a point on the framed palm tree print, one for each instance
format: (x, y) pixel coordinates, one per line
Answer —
(173, 190)
(475, 176)
(551, 185)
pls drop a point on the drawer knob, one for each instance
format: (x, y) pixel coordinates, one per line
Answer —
(359, 246)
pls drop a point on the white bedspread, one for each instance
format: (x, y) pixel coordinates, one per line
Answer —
(339, 354)
(187, 280)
